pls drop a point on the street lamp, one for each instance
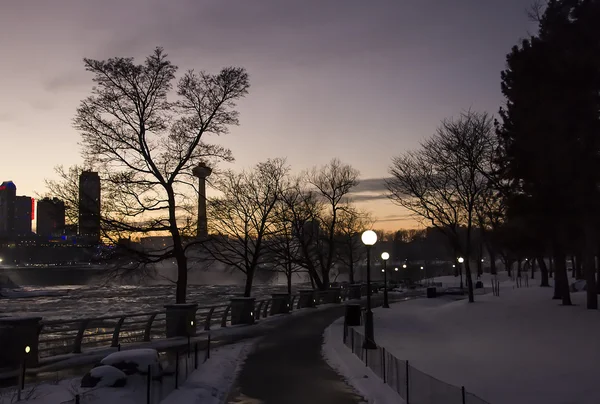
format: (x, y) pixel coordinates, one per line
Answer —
(460, 261)
(385, 256)
(369, 238)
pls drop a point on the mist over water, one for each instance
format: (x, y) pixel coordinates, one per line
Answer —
(99, 297)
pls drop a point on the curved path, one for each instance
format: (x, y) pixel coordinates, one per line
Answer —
(286, 367)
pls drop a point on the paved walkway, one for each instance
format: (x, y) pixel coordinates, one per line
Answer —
(286, 367)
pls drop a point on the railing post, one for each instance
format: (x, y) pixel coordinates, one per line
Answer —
(464, 396)
(407, 384)
(148, 329)
(383, 363)
(115, 337)
(208, 318)
(80, 333)
(224, 319)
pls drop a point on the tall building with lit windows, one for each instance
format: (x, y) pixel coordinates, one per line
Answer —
(24, 208)
(89, 206)
(8, 196)
(50, 217)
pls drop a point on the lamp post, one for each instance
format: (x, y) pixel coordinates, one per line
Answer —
(369, 238)
(385, 256)
(460, 261)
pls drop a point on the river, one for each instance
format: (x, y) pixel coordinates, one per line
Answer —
(69, 301)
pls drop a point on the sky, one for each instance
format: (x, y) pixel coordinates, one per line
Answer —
(360, 80)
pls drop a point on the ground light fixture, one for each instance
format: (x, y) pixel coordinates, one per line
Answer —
(369, 238)
(385, 256)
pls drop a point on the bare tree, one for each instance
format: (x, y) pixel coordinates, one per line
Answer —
(283, 246)
(316, 205)
(442, 181)
(243, 218)
(302, 207)
(144, 145)
(351, 251)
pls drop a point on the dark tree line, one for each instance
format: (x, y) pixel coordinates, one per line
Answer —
(527, 182)
(549, 132)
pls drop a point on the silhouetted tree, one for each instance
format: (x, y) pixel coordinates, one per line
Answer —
(550, 127)
(144, 144)
(315, 203)
(351, 251)
(442, 182)
(244, 217)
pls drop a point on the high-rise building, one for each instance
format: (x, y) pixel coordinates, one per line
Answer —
(50, 217)
(8, 195)
(89, 206)
(23, 216)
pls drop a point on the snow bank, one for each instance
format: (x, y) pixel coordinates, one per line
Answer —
(340, 358)
(133, 361)
(104, 376)
(519, 348)
(210, 384)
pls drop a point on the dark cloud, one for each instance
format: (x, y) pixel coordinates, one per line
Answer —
(371, 185)
(395, 218)
(68, 81)
(367, 197)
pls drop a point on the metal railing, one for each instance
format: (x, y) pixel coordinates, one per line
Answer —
(413, 385)
(61, 337)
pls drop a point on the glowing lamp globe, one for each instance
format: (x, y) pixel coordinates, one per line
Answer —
(385, 256)
(461, 260)
(369, 238)
(404, 266)
(396, 269)
(27, 349)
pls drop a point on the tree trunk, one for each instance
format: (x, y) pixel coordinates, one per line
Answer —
(509, 265)
(543, 272)
(469, 280)
(248, 286)
(551, 269)
(533, 268)
(312, 279)
(181, 288)
(324, 280)
(178, 251)
(492, 255)
(590, 269)
(578, 270)
(351, 272)
(519, 267)
(573, 266)
(289, 281)
(562, 278)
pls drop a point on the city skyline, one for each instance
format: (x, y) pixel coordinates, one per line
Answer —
(412, 65)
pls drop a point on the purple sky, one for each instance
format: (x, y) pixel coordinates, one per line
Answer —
(359, 80)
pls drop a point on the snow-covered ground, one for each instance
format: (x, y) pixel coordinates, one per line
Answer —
(211, 383)
(207, 385)
(519, 348)
(354, 370)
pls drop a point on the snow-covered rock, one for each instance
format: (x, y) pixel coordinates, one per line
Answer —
(104, 376)
(134, 361)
